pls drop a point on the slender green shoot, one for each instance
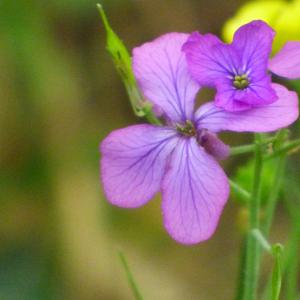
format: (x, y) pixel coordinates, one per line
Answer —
(122, 62)
(288, 148)
(132, 283)
(243, 194)
(253, 249)
(262, 240)
(244, 149)
(277, 251)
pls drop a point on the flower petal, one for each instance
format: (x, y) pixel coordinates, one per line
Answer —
(213, 63)
(194, 190)
(286, 62)
(209, 60)
(253, 41)
(133, 163)
(266, 118)
(161, 71)
(258, 93)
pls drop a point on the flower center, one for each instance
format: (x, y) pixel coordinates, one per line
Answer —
(187, 129)
(241, 81)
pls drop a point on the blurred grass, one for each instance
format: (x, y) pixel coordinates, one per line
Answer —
(59, 96)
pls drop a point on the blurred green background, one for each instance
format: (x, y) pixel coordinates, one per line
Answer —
(59, 97)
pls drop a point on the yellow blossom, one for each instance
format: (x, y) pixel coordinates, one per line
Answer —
(283, 16)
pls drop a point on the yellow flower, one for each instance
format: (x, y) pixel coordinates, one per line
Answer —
(283, 16)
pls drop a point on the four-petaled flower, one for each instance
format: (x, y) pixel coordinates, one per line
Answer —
(180, 158)
(239, 71)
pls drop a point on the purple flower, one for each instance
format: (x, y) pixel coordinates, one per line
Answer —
(179, 158)
(239, 71)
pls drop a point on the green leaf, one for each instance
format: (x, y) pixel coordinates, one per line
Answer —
(122, 62)
(244, 178)
(277, 250)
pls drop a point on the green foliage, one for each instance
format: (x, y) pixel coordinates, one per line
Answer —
(123, 64)
(244, 177)
(277, 250)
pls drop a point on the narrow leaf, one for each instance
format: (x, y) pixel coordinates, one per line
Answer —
(130, 278)
(122, 62)
(276, 275)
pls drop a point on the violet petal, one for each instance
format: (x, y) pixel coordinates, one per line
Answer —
(161, 71)
(254, 41)
(195, 190)
(286, 62)
(209, 60)
(133, 163)
(274, 116)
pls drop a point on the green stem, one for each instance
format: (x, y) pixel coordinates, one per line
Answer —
(250, 147)
(122, 61)
(242, 263)
(252, 250)
(288, 147)
(242, 149)
(130, 278)
(264, 243)
(277, 251)
(244, 195)
(273, 198)
(292, 263)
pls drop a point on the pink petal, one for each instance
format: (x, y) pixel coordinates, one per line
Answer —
(254, 43)
(133, 163)
(195, 190)
(274, 116)
(161, 71)
(259, 93)
(286, 62)
(209, 60)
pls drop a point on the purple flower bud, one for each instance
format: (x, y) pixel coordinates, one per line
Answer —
(213, 145)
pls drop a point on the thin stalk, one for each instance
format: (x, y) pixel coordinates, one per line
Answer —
(250, 147)
(242, 149)
(269, 212)
(292, 263)
(123, 64)
(290, 268)
(273, 198)
(252, 250)
(277, 251)
(243, 194)
(288, 147)
(130, 278)
(264, 243)
(240, 280)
